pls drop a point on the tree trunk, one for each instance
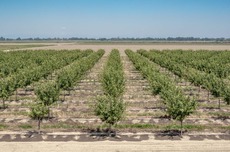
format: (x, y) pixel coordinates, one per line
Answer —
(181, 128)
(219, 103)
(110, 129)
(3, 104)
(39, 124)
(48, 112)
(199, 92)
(16, 95)
(64, 96)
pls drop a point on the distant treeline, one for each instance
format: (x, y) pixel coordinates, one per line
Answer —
(121, 39)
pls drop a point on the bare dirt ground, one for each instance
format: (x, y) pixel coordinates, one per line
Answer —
(122, 47)
(18, 142)
(113, 146)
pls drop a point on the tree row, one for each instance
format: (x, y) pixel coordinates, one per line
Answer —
(217, 86)
(27, 76)
(48, 92)
(216, 62)
(110, 107)
(178, 106)
(15, 61)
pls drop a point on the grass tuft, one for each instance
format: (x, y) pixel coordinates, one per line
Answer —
(25, 126)
(2, 126)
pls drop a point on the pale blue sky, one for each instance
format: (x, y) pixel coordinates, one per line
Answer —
(114, 18)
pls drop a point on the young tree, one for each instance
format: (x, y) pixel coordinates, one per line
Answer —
(38, 112)
(65, 80)
(113, 82)
(5, 91)
(47, 93)
(177, 105)
(110, 110)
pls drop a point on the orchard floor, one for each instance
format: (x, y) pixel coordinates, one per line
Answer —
(74, 141)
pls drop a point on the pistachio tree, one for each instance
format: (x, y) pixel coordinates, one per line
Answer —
(110, 110)
(47, 93)
(38, 112)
